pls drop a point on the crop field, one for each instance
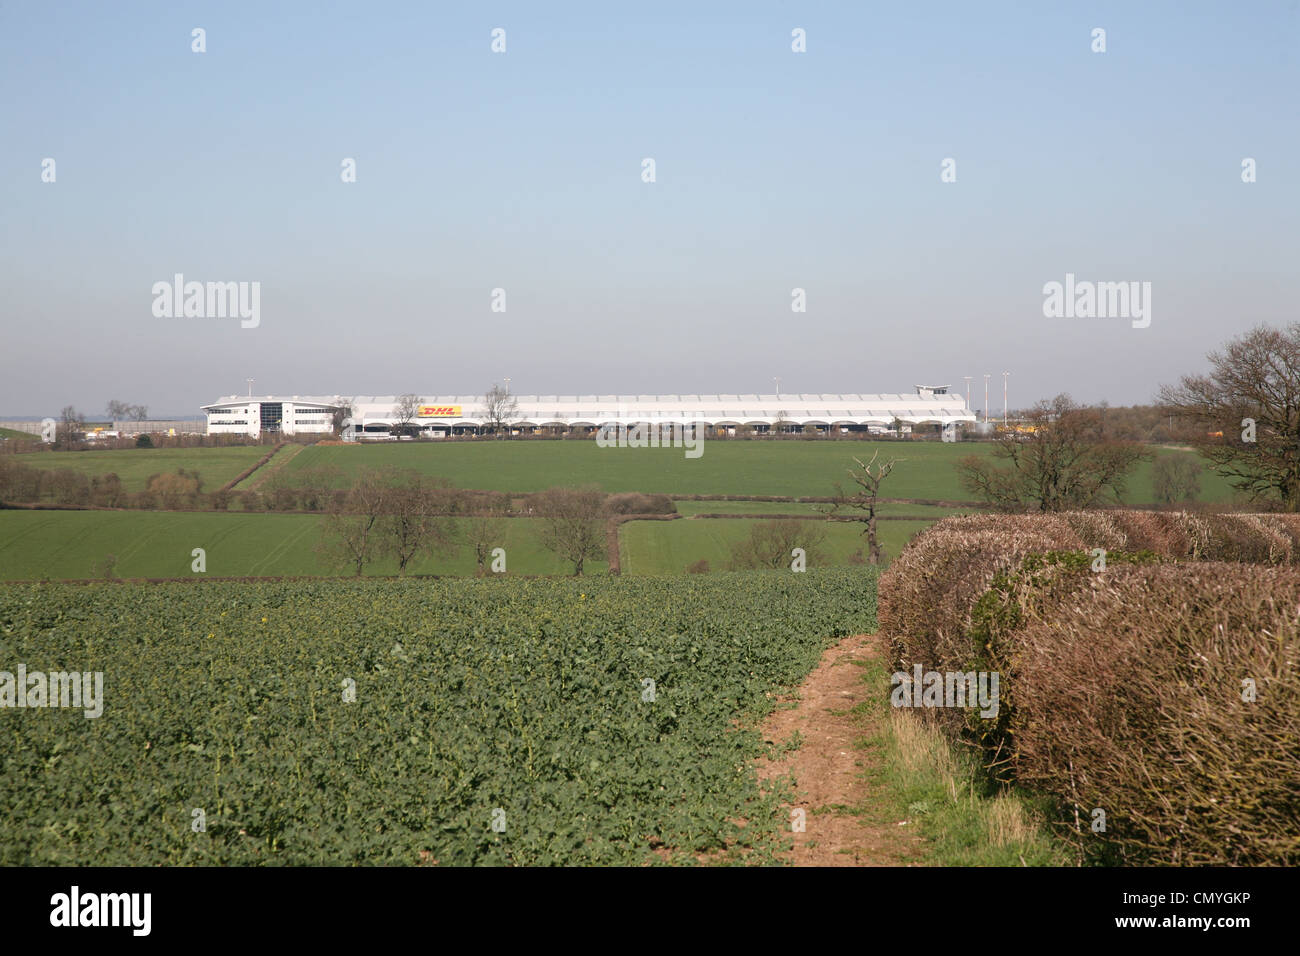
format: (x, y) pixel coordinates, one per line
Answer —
(410, 722)
(900, 509)
(134, 465)
(662, 547)
(156, 544)
(725, 468)
(36, 545)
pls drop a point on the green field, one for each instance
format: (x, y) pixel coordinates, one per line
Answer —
(811, 508)
(35, 545)
(134, 465)
(155, 544)
(664, 547)
(14, 435)
(602, 721)
(725, 468)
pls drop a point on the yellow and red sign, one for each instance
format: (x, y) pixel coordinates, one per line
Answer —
(439, 411)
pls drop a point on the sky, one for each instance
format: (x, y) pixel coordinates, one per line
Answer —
(522, 171)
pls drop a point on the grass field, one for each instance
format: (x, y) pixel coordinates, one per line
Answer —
(726, 467)
(809, 508)
(659, 547)
(67, 544)
(14, 435)
(134, 465)
(35, 545)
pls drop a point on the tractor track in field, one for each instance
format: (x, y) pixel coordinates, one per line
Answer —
(832, 766)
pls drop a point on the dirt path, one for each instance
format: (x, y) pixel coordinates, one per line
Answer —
(832, 768)
(274, 464)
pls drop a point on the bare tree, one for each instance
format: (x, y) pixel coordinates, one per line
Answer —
(483, 532)
(352, 533)
(1056, 460)
(71, 427)
(1176, 479)
(1247, 413)
(770, 544)
(117, 410)
(139, 413)
(342, 412)
(417, 517)
(868, 476)
(571, 522)
(499, 407)
(405, 412)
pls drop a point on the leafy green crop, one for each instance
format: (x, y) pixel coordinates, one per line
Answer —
(523, 695)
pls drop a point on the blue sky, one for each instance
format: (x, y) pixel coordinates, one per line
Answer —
(522, 171)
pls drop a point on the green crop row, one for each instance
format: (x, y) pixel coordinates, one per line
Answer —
(494, 721)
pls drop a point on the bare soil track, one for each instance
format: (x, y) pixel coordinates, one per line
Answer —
(845, 822)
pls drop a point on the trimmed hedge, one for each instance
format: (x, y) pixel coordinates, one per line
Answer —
(1130, 699)
(1121, 690)
(927, 594)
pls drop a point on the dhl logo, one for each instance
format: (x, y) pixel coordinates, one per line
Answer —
(440, 411)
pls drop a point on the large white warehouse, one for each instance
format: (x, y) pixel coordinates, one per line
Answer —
(378, 417)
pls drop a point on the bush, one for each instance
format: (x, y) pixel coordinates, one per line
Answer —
(770, 543)
(1130, 698)
(635, 503)
(143, 440)
(699, 567)
(1120, 690)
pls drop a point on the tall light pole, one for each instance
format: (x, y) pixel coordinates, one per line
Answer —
(777, 380)
(986, 396)
(250, 387)
(967, 378)
(1004, 397)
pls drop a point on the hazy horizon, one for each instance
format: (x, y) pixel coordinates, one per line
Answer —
(774, 170)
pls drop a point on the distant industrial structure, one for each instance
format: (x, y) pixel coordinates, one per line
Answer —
(378, 417)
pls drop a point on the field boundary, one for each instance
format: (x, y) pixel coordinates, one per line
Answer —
(230, 485)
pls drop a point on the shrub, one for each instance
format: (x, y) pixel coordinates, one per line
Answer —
(1130, 698)
(699, 567)
(635, 503)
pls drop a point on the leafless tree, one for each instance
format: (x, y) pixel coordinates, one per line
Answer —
(342, 412)
(71, 427)
(1056, 459)
(483, 532)
(1176, 479)
(1246, 413)
(499, 408)
(571, 525)
(353, 534)
(770, 544)
(405, 412)
(417, 517)
(868, 476)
